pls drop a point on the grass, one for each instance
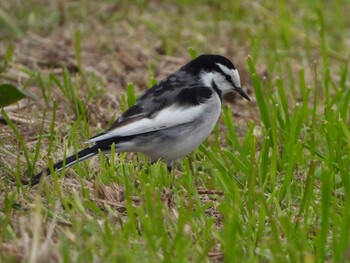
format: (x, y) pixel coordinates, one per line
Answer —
(271, 184)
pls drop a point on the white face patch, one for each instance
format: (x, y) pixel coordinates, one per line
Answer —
(220, 80)
(231, 72)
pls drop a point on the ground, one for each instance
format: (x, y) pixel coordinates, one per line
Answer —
(271, 184)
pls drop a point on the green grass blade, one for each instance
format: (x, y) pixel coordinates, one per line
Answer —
(20, 139)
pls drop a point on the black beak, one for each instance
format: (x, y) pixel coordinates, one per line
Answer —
(241, 92)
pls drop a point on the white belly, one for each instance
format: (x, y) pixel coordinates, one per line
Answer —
(185, 138)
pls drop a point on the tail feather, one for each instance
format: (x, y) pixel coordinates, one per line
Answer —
(69, 161)
(103, 145)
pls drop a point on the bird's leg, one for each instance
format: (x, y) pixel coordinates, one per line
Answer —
(169, 165)
(148, 166)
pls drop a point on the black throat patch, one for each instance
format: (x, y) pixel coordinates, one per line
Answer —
(217, 90)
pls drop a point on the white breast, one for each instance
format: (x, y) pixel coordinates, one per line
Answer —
(190, 135)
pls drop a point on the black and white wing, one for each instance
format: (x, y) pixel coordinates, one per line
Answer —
(169, 103)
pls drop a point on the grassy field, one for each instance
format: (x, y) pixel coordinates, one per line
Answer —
(271, 184)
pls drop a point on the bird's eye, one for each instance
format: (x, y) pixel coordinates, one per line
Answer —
(228, 78)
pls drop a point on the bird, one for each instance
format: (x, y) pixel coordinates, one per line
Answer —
(171, 118)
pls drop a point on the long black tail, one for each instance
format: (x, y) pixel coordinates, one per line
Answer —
(69, 161)
(104, 145)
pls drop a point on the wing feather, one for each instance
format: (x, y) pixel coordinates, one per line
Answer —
(166, 118)
(165, 105)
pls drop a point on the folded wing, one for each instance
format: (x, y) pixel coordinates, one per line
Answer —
(184, 107)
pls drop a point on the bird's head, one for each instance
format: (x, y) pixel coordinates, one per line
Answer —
(217, 72)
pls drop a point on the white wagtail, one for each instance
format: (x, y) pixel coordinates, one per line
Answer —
(170, 119)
